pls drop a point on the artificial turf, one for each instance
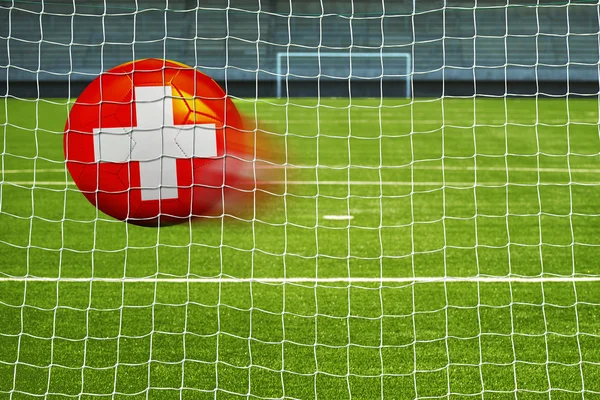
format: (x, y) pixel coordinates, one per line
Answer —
(437, 188)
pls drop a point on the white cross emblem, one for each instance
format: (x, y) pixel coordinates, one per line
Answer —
(156, 142)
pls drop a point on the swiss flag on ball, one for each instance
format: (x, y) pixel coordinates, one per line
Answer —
(156, 142)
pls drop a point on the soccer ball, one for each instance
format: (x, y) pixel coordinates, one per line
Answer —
(155, 142)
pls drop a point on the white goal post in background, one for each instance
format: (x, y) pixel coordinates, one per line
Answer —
(401, 61)
(445, 245)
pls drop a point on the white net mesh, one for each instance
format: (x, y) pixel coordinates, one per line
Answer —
(441, 244)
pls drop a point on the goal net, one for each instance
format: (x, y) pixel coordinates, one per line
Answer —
(435, 234)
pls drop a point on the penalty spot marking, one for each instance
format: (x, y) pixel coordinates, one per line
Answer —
(431, 279)
(339, 217)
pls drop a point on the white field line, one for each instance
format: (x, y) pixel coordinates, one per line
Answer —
(423, 167)
(433, 279)
(517, 169)
(328, 183)
(38, 183)
(313, 183)
(439, 168)
(29, 171)
(450, 123)
(387, 183)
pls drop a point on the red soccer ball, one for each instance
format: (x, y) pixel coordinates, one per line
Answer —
(155, 142)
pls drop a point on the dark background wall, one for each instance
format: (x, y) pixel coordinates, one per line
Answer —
(457, 47)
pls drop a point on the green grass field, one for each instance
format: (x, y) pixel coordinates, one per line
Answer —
(330, 309)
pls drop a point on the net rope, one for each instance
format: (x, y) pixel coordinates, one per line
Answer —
(435, 234)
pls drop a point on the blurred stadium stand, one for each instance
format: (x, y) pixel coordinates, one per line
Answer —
(55, 49)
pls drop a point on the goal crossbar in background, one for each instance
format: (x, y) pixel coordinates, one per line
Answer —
(440, 245)
(282, 71)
